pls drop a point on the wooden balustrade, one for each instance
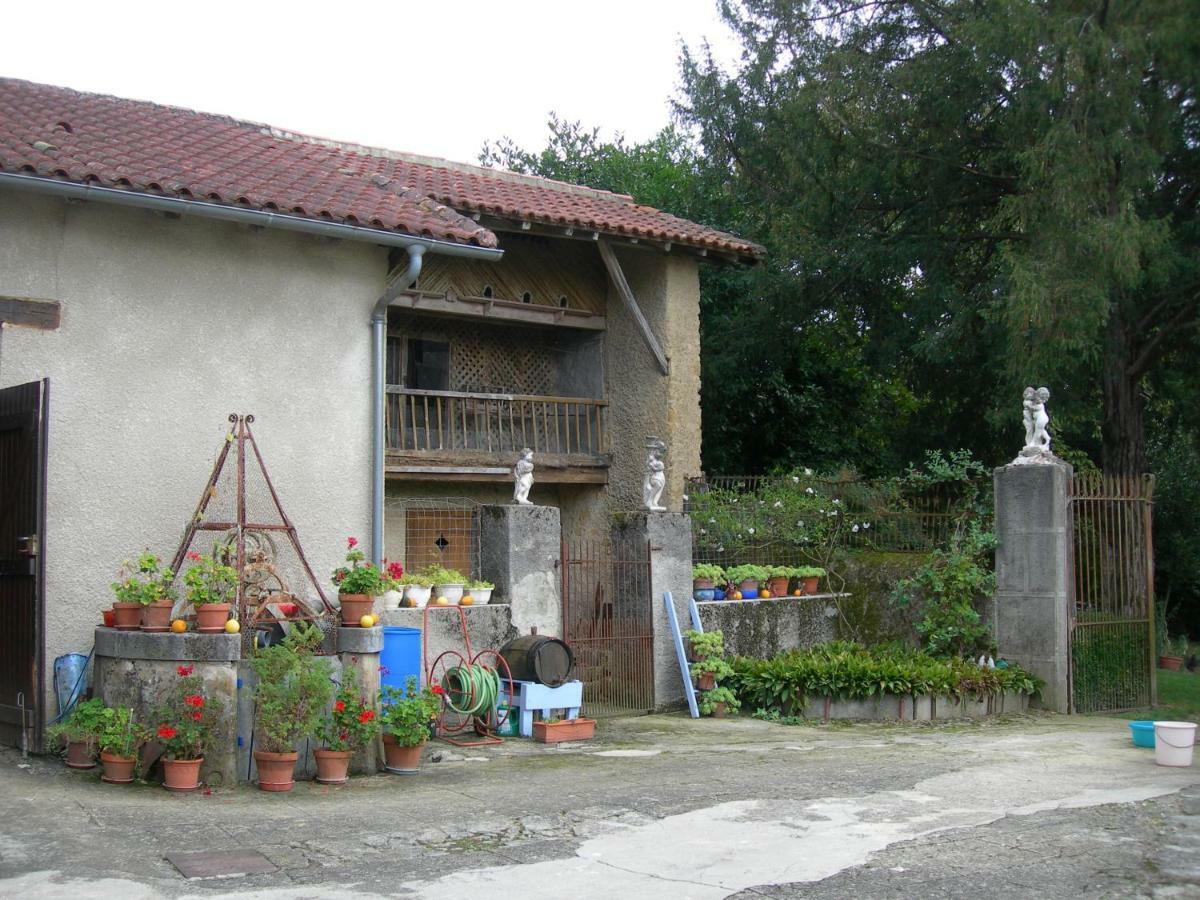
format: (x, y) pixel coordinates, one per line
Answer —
(448, 421)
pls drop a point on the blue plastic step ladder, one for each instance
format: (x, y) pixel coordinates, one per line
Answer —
(689, 689)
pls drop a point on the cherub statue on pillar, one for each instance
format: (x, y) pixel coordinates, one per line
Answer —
(523, 478)
(656, 475)
(1037, 435)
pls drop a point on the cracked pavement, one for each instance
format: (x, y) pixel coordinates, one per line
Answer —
(657, 806)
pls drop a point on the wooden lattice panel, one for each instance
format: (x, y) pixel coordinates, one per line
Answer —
(498, 361)
(547, 270)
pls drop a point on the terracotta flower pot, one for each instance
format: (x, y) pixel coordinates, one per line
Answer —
(1171, 663)
(181, 775)
(809, 585)
(157, 616)
(79, 755)
(565, 730)
(117, 769)
(109, 618)
(127, 616)
(401, 760)
(718, 710)
(211, 617)
(333, 766)
(705, 682)
(778, 586)
(354, 607)
(276, 771)
(702, 584)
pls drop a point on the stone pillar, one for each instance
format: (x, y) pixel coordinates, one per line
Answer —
(670, 538)
(519, 552)
(359, 649)
(1033, 574)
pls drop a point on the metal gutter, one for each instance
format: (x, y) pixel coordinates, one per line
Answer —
(261, 218)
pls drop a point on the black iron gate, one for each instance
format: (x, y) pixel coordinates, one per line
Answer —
(1112, 606)
(22, 521)
(607, 621)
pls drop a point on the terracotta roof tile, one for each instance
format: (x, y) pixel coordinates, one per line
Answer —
(59, 133)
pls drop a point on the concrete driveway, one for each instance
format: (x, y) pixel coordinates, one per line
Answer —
(660, 807)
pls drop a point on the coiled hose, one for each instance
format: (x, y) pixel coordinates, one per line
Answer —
(471, 690)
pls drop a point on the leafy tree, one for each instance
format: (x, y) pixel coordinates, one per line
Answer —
(984, 189)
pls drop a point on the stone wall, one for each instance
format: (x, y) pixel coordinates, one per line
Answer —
(765, 628)
(867, 615)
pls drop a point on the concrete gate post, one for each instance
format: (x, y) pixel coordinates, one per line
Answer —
(1034, 572)
(670, 538)
(519, 552)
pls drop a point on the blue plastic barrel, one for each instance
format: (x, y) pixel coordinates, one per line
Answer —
(401, 656)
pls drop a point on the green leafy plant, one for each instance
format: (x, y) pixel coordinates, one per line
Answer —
(439, 575)
(478, 585)
(415, 578)
(84, 724)
(809, 572)
(948, 586)
(144, 582)
(121, 735)
(706, 644)
(209, 580)
(352, 721)
(293, 689)
(707, 572)
(406, 714)
(748, 572)
(1177, 646)
(708, 700)
(186, 716)
(360, 577)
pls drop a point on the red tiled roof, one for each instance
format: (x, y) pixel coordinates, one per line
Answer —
(59, 133)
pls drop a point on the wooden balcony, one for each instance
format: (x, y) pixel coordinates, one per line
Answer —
(450, 435)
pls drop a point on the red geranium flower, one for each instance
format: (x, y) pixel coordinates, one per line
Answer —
(351, 542)
(366, 716)
(184, 671)
(395, 570)
(197, 715)
(194, 700)
(166, 732)
(438, 689)
(339, 706)
(194, 556)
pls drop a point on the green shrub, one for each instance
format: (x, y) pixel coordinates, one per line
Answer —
(707, 571)
(293, 689)
(738, 574)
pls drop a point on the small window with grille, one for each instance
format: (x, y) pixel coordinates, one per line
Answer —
(428, 365)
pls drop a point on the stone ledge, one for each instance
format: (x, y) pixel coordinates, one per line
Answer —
(360, 640)
(189, 646)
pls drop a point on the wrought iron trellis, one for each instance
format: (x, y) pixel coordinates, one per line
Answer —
(249, 535)
(1111, 610)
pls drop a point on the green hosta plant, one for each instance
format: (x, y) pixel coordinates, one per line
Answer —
(407, 714)
(707, 572)
(144, 582)
(209, 580)
(121, 734)
(352, 721)
(293, 689)
(84, 724)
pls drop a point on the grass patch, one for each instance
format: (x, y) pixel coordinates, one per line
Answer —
(1178, 699)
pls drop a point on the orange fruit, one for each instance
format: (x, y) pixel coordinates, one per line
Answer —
(232, 627)
(441, 601)
(179, 626)
(466, 600)
(737, 595)
(766, 595)
(797, 592)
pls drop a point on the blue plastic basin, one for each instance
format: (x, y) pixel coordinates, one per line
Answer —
(1143, 734)
(705, 595)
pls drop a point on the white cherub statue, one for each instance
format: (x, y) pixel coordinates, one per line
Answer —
(523, 478)
(1036, 421)
(656, 476)
(1041, 419)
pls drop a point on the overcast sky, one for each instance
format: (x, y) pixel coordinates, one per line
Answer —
(437, 78)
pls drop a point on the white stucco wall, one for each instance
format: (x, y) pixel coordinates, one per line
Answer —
(169, 325)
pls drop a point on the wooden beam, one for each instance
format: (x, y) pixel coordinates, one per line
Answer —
(45, 315)
(500, 310)
(618, 278)
(466, 474)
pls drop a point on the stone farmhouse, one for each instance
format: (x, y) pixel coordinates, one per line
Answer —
(400, 326)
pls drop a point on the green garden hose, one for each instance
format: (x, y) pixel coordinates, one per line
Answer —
(471, 690)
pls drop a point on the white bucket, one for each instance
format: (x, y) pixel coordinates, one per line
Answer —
(1173, 743)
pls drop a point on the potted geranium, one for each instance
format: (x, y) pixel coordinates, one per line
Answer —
(210, 587)
(394, 591)
(146, 587)
(705, 577)
(358, 584)
(809, 578)
(80, 731)
(417, 588)
(406, 716)
(185, 719)
(1174, 652)
(121, 736)
(350, 725)
(293, 690)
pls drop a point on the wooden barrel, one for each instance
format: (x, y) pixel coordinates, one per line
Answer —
(535, 657)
